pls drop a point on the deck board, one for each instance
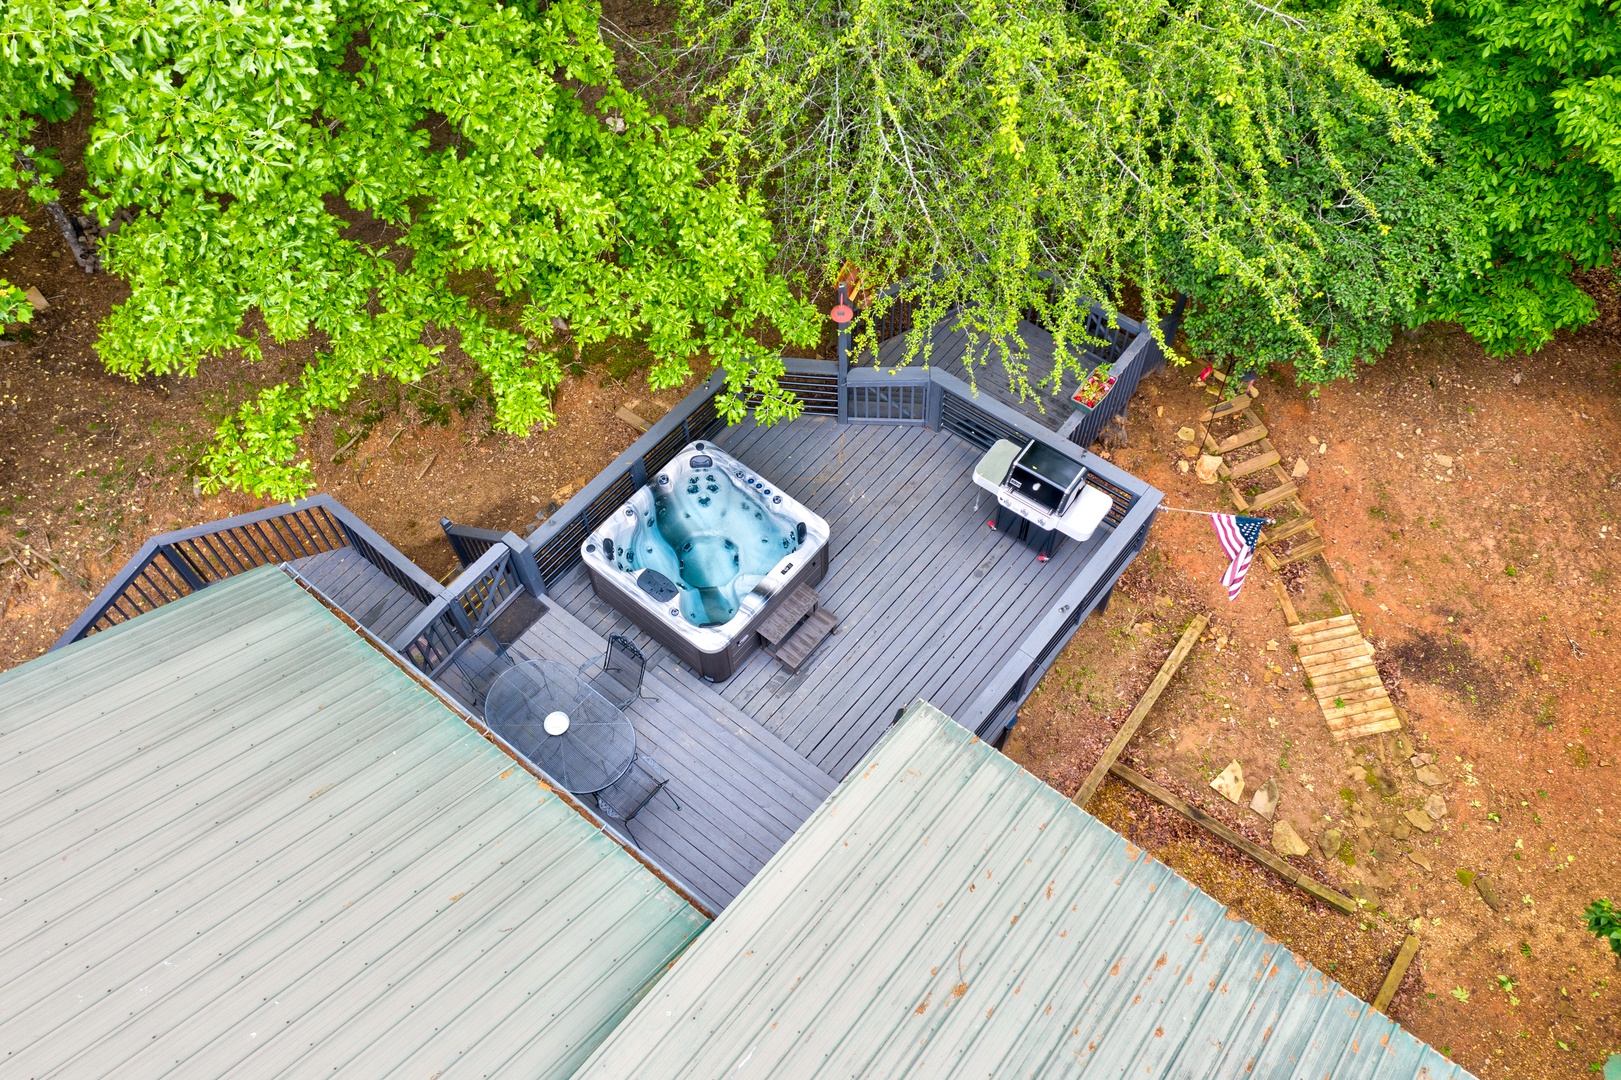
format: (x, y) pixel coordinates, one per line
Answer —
(364, 592)
(741, 791)
(930, 600)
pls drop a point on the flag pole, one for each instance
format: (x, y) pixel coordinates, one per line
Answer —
(1203, 513)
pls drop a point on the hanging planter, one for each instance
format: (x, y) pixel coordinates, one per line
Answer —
(1093, 389)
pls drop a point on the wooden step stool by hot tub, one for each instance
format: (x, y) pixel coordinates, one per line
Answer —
(793, 629)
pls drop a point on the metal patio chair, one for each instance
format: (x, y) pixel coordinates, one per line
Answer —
(627, 796)
(619, 679)
(473, 668)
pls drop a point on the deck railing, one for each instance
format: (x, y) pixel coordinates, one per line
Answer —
(431, 639)
(176, 564)
(555, 541)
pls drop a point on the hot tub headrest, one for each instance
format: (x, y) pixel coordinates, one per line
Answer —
(701, 461)
(656, 585)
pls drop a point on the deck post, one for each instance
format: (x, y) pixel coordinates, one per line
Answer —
(842, 317)
(523, 564)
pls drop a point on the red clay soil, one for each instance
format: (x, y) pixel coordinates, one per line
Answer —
(1468, 504)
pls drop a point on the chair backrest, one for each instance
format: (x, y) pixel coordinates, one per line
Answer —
(623, 667)
(626, 797)
(473, 670)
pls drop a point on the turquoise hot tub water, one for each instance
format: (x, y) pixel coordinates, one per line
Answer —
(702, 553)
(710, 535)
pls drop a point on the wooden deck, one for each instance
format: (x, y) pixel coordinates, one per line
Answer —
(983, 369)
(361, 590)
(931, 601)
(742, 791)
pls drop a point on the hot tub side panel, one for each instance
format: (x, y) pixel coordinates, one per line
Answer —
(615, 590)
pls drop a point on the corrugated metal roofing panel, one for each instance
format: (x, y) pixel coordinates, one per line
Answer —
(946, 914)
(236, 838)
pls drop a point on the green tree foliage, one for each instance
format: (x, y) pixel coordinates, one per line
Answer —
(1530, 91)
(1235, 151)
(14, 306)
(491, 147)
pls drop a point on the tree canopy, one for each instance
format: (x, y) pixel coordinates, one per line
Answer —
(1237, 152)
(492, 148)
(1529, 92)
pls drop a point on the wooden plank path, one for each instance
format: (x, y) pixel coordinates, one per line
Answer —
(930, 600)
(360, 589)
(742, 791)
(1350, 692)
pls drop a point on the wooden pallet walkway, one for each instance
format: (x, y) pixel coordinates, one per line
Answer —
(1339, 663)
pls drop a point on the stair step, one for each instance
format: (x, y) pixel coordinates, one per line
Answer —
(1304, 551)
(788, 614)
(1226, 408)
(1252, 465)
(794, 651)
(1287, 529)
(1243, 438)
(1273, 497)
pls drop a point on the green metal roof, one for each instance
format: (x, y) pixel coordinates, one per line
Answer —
(946, 914)
(234, 837)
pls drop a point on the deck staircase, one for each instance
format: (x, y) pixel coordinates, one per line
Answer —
(796, 627)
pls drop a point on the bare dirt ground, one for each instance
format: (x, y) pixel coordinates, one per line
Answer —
(1488, 588)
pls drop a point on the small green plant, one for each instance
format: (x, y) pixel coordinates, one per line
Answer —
(1604, 923)
(1339, 703)
(1460, 993)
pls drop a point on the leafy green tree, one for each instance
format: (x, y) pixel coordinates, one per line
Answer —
(1530, 91)
(490, 145)
(1232, 150)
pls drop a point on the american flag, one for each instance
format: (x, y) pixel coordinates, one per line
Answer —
(1238, 536)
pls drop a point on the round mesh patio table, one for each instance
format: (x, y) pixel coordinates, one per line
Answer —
(551, 716)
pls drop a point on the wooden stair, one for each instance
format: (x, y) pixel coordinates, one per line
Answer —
(1339, 663)
(796, 626)
(1292, 540)
(798, 646)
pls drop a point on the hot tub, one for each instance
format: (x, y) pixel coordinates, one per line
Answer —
(702, 554)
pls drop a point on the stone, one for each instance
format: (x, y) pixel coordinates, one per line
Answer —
(1186, 434)
(1419, 820)
(1429, 774)
(1322, 447)
(1206, 469)
(1330, 842)
(1443, 461)
(1374, 876)
(1362, 894)
(1230, 784)
(1265, 801)
(36, 299)
(1488, 892)
(1420, 760)
(1420, 859)
(1403, 747)
(1436, 807)
(1362, 818)
(1356, 774)
(1300, 470)
(1400, 829)
(1382, 781)
(1190, 451)
(1287, 842)
(1182, 467)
